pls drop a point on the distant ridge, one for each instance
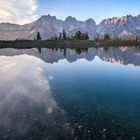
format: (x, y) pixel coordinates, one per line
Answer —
(49, 26)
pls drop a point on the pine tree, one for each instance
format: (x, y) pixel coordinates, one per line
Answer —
(137, 39)
(68, 38)
(129, 38)
(85, 36)
(106, 37)
(96, 37)
(116, 38)
(78, 35)
(38, 37)
(64, 34)
(55, 37)
(60, 36)
(52, 38)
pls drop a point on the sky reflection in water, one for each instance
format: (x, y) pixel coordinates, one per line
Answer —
(70, 93)
(27, 106)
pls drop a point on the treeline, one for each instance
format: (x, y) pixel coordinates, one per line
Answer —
(63, 36)
(107, 37)
(84, 36)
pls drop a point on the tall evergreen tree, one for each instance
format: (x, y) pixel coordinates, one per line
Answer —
(64, 34)
(38, 37)
(52, 38)
(116, 38)
(137, 39)
(96, 37)
(106, 37)
(78, 35)
(55, 37)
(129, 38)
(60, 36)
(85, 36)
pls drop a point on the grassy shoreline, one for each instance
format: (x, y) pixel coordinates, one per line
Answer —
(65, 44)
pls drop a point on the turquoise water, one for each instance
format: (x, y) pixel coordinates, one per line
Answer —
(79, 94)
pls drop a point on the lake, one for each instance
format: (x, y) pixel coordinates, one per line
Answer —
(70, 94)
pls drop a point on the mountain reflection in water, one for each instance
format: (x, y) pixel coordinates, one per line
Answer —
(55, 94)
(122, 55)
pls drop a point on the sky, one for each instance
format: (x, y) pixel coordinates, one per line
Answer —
(26, 11)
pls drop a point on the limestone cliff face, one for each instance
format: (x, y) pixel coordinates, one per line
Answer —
(49, 26)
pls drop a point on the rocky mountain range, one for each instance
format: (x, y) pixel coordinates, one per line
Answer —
(49, 26)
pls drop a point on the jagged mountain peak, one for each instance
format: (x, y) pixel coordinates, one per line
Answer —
(114, 20)
(70, 18)
(47, 17)
(123, 27)
(48, 26)
(90, 21)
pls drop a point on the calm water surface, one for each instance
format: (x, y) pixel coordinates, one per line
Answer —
(70, 94)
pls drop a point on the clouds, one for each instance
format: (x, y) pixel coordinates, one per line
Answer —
(31, 84)
(18, 11)
(24, 87)
(28, 109)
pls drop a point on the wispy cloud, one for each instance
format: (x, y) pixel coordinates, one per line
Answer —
(37, 92)
(18, 11)
(26, 97)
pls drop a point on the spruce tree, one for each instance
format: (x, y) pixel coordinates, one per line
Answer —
(38, 37)
(78, 35)
(106, 37)
(85, 36)
(64, 34)
(60, 36)
(96, 37)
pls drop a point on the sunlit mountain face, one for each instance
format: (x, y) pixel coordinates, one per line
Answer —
(60, 94)
(48, 26)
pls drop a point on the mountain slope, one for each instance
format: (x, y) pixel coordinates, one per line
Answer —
(120, 26)
(49, 26)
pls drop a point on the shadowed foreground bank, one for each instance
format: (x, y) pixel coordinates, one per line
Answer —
(62, 43)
